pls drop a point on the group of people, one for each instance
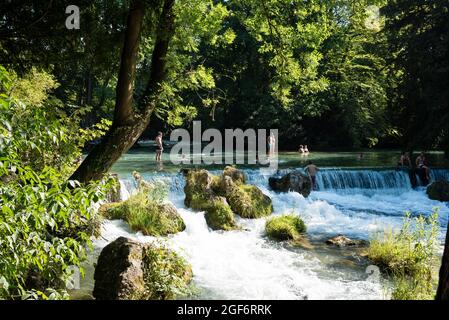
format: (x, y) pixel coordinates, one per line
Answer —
(303, 149)
(421, 162)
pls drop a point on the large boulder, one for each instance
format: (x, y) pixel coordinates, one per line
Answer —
(293, 181)
(119, 273)
(439, 190)
(130, 270)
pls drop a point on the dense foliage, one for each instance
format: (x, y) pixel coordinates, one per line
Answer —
(335, 74)
(45, 220)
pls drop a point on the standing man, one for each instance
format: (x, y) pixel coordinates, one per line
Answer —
(271, 144)
(159, 147)
(311, 169)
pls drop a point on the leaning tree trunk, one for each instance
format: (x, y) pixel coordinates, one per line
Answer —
(443, 286)
(129, 122)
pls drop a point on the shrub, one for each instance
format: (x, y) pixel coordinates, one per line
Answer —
(286, 227)
(45, 221)
(48, 224)
(166, 274)
(408, 256)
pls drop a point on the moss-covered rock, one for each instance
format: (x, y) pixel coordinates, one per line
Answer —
(219, 215)
(198, 188)
(235, 174)
(286, 227)
(130, 270)
(143, 214)
(248, 201)
(223, 196)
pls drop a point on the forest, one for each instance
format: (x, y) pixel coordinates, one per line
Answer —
(337, 75)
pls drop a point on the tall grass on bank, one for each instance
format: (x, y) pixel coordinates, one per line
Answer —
(409, 257)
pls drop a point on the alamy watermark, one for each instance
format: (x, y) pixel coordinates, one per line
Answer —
(73, 20)
(240, 147)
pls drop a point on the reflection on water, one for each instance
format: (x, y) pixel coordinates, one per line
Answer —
(143, 160)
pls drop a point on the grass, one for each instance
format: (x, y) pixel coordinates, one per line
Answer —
(145, 211)
(285, 227)
(409, 257)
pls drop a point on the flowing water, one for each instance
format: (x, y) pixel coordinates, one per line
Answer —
(355, 201)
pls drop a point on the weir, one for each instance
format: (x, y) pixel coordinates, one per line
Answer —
(328, 179)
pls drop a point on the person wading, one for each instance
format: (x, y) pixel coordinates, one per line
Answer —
(159, 147)
(311, 170)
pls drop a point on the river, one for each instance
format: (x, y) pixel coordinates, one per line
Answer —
(355, 197)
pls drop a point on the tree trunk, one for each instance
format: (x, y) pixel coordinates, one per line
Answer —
(128, 123)
(443, 286)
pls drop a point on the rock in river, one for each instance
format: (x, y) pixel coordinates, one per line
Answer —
(293, 181)
(439, 190)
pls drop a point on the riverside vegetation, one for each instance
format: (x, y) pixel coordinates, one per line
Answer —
(409, 257)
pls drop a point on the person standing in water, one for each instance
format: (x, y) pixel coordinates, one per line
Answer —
(404, 160)
(312, 170)
(306, 150)
(159, 147)
(271, 144)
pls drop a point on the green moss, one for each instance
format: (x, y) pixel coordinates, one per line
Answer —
(236, 175)
(198, 188)
(145, 214)
(248, 201)
(286, 227)
(166, 274)
(219, 215)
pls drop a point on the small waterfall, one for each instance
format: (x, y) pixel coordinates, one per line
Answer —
(439, 174)
(124, 191)
(338, 179)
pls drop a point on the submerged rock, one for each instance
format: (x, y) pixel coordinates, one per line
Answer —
(293, 181)
(439, 190)
(342, 241)
(130, 270)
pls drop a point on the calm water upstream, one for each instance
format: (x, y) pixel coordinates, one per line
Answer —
(354, 198)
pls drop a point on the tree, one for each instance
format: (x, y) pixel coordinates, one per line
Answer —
(443, 286)
(129, 122)
(418, 37)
